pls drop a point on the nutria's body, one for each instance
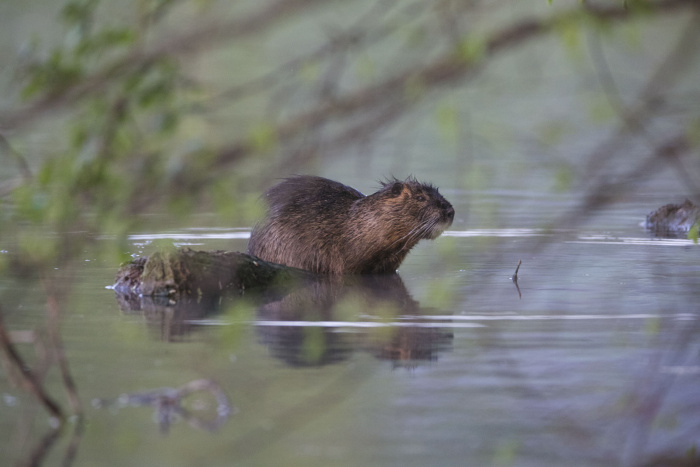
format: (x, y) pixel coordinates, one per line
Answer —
(326, 227)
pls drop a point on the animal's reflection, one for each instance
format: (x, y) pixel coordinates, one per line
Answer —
(319, 322)
(326, 320)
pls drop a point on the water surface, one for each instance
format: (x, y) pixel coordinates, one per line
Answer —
(594, 361)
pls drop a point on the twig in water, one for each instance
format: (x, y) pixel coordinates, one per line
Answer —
(515, 278)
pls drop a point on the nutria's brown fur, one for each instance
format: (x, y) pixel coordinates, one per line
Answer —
(326, 227)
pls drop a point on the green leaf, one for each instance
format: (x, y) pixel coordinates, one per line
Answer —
(600, 110)
(693, 232)
(448, 122)
(79, 12)
(105, 41)
(471, 49)
(366, 67)
(554, 132)
(51, 76)
(569, 31)
(693, 132)
(310, 71)
(263, 137)
(563, 178)
(155, 93)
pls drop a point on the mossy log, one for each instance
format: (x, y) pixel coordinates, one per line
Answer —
(186, 271)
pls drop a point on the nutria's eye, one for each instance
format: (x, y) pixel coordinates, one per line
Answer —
(420, 198)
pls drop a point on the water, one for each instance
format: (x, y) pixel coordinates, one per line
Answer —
(594, 362)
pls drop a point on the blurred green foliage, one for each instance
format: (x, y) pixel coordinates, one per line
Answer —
(119, 148)
(471, 49)
(449, 123)
(693, 232)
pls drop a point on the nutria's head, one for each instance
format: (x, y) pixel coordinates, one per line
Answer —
(416, 209)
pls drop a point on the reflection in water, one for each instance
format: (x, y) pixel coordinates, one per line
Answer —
(515, 279)
(30, 379)
(168, 404)
(367, 304)
(171, 320)
(320, 322)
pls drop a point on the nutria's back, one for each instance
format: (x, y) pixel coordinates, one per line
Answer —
(326, 227)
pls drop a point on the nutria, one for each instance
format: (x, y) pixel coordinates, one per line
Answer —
(673, 219)
(326, 227)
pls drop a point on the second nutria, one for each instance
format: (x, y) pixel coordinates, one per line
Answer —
(323, 226)
(673, 219)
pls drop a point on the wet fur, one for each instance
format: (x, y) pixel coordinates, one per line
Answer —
(323, 226)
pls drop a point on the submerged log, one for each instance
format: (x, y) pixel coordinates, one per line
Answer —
(188, 272)
(673, 219)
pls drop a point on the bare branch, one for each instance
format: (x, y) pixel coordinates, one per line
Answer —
(443, 71)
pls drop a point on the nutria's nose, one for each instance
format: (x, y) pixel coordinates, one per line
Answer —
(448, 209)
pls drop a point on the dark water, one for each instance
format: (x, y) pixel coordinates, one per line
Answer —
(594, 361)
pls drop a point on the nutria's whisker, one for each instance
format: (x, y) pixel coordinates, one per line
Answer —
(406, 238)
(416, 233)
(411, 235)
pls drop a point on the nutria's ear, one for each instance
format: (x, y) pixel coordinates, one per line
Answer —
(396, 188)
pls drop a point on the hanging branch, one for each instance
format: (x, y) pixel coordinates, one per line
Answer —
(394, 91)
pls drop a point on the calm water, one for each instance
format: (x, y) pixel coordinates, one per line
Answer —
(595, 362)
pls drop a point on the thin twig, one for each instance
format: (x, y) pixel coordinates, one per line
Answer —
(515, 278)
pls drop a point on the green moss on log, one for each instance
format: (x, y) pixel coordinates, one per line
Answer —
(186, 271)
